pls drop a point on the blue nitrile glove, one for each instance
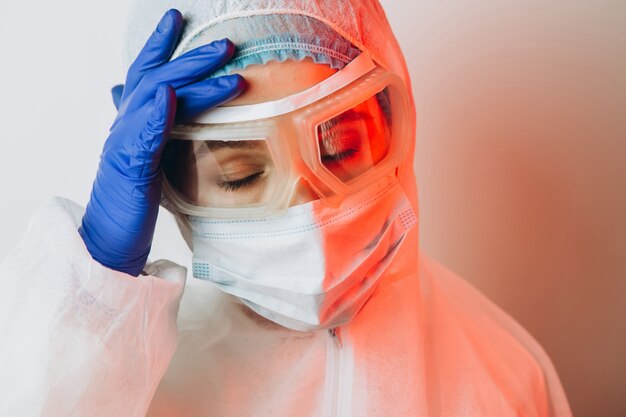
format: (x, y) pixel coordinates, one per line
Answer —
(121, 215)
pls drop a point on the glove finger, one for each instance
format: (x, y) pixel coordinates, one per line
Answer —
(116, 95)
(204, 95)
(157, 130)
(157, 49)
(193, 66)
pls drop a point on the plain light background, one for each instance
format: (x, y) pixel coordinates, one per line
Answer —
(521, 154)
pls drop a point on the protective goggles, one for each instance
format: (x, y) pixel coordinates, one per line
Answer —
(335, 138)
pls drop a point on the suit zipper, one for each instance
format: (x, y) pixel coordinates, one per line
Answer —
(335, 369)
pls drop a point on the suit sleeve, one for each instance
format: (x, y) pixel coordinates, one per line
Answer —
(76, 338)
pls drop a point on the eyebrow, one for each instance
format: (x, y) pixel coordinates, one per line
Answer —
(233, 144)
(347, 116)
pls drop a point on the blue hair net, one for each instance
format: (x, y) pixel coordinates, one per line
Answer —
(263, 38)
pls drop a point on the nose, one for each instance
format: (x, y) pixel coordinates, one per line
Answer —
(303, 193)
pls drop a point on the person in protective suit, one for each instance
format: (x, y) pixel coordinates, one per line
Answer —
(281, 135)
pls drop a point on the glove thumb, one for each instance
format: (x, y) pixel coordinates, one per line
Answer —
(116, 95)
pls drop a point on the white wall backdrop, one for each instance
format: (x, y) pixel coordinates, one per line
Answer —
(59, 62)
(521, 156)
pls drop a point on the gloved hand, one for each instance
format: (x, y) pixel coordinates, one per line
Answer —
(121, 215)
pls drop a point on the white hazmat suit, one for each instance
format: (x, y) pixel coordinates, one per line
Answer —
(79, 339)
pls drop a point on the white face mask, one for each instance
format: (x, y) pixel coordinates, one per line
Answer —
(313, 268)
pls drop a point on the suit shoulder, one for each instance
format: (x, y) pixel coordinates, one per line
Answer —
(476, 340)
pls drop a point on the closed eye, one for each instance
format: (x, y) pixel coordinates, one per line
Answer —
(235, 185)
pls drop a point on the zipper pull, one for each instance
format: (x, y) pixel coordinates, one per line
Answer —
(335, 333)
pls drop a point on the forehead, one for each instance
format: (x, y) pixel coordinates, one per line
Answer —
(275, 80)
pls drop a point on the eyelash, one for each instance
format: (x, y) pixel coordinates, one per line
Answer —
(236, 185)
(241, 183)
(341, 156)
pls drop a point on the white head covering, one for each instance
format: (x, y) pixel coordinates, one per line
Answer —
(264, 38)
(362, 22)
